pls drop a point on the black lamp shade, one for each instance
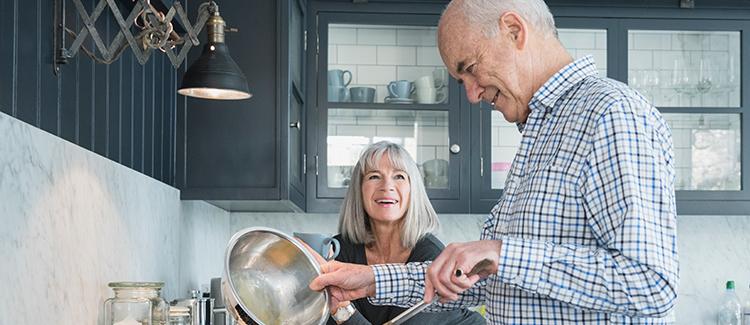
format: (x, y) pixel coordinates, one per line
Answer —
(215, 76)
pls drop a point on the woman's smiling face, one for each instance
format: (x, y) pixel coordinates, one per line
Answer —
(386, 192)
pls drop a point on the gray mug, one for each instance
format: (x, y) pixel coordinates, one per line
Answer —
(336, 77)
(337, 93)
(400, 89)
(362, 94)
(321, 243)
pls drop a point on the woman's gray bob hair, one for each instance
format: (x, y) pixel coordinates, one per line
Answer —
(420, 219)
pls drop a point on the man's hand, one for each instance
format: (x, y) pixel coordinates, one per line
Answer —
(442, 275)
(345, 281)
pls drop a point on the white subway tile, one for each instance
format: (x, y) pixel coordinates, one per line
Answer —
(342, 35)
(640, 60)
(428, 55)
(509, 136)
(503, 154)
(377, 120)
(601, 41)
(416, 37)
(341, 120)
(600, 57)
(432, 136)
(719, 42)
(332, 54)
(357, 54)
(413, 73)
(396, 55)
(424, 153)
(666, 59)
(681, 138)
(442, 152)
(651, 41)
(372, 36)
(358, 130)
(395, 131)
(380, 94)
(376, 74)
(577, 39)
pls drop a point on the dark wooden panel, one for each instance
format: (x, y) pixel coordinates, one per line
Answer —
(158, 140)
(27, 92)
(86, 89)
(101, 93)
(49, 87)
(139, 105)
(114, 109)
(126, 122)
(148, 121)
(7, 54)
(69, 96)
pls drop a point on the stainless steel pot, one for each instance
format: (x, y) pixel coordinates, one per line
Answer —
(266, 278)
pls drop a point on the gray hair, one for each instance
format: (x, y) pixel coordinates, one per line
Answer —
(420, 218)
(485, 13)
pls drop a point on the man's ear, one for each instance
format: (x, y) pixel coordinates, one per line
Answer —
(515, 28)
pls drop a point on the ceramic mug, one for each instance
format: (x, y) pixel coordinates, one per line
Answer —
(336, 78)
(429, 95)
(424, 82)
(337, 93)
(321, 243)
(362, 94)
(400, 89)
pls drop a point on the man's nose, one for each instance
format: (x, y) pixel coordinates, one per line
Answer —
(473, 90)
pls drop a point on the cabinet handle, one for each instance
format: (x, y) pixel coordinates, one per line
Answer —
(297, 125)
(455, 148)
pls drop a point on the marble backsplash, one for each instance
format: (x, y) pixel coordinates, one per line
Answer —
(72, 221)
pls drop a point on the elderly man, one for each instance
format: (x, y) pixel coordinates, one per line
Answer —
(585, 231)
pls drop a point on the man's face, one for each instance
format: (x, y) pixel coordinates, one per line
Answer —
(491, 69)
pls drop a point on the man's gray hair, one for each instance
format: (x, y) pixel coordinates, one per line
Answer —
(420, 218)
(485, 14)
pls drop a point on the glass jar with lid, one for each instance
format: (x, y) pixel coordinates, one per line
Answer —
(136, 303)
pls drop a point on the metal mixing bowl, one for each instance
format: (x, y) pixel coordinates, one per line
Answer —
(266, 278)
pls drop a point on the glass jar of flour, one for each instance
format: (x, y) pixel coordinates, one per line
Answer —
(136, 303)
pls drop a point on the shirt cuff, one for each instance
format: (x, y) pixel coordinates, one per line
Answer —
(521, 262)
(398, 284)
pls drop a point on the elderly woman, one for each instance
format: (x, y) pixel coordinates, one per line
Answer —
(386, 217)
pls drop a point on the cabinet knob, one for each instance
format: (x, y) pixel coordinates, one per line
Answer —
(455, 148)
(297, 125)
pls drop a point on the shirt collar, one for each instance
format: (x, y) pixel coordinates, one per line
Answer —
(562, 81)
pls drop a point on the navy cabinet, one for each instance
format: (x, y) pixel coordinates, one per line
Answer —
(248, 155)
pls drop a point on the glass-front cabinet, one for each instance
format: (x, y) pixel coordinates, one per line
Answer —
(380, 77)
(690, 71)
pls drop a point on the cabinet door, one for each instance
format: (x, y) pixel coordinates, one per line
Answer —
(381, 78)
(692, 73)
(297, 127)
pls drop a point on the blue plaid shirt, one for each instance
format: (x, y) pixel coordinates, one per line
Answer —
(587, 218)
